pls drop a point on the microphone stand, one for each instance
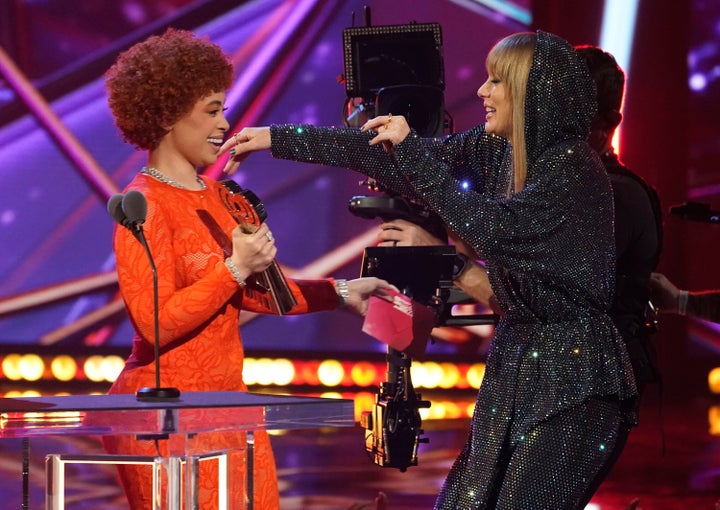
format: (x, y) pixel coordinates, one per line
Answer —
(156, 394)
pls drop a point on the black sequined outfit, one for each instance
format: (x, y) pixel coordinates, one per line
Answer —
(558, 385)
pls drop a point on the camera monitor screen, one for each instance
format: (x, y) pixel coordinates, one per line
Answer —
(382, 56)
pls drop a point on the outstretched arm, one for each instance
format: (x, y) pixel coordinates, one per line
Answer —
(389, 130)
(358, 292)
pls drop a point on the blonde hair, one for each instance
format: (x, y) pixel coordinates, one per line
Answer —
(510, 60)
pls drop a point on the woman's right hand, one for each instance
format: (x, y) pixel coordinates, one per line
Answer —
(253, 253)
(242, 144)
(399, 232)
(663, 293)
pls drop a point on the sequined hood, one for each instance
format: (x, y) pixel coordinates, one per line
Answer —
(560, 100)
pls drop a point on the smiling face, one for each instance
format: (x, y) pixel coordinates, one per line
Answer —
(198, 135)
(498, 106)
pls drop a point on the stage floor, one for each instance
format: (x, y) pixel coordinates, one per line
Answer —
(330, 470)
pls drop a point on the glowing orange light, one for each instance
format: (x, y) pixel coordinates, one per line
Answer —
(470, 409)
(364, 401)
(283, 372)
(452, 410)
(714, 420)
(93, 368)
(422, 375)
(258, 371)
(309, 373)
(436, 411)
(31, 367)
(616, 141)
(714, 380)
(475, 375)
(450, 375)
(11, 367)
(330, 372)
(363, 373)
(331, 394)
(22, 394)
(111, 367)
(63, 367)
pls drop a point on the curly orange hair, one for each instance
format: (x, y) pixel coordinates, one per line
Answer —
(156, 82)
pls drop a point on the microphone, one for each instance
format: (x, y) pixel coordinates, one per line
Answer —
(130, 211)
(134, 207)
(114, 207)
(696, 211)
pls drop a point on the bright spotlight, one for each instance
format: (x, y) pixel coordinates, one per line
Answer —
(330, 372)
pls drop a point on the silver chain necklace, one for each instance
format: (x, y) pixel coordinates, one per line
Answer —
(157, 174)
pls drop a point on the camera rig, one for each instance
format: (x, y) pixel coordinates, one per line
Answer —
(396, 69)
(394, 426)
(423, 273)
(399, 69)
(390, 207)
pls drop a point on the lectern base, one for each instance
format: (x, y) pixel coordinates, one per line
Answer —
(157, 394)
(175, 493)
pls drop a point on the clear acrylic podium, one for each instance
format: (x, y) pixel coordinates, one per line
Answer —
(182, 423)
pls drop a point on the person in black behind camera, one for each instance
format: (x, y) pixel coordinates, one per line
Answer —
(638, 221)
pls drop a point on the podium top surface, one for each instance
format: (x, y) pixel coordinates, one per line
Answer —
(192, 412)
(128, 402)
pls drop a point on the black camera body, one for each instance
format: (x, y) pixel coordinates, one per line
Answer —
(394, 428)
(423, 273)
(390, 207)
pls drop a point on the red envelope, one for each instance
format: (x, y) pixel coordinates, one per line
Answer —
(402, 323)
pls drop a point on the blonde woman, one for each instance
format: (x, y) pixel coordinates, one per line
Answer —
(530, 197)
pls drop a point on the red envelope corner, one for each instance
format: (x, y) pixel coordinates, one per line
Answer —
(402, 323)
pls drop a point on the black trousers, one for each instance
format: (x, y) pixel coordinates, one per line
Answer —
(562, 461)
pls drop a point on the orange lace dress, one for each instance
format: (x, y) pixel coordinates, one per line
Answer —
(200, 342)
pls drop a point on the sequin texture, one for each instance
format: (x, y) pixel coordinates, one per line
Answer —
(558, 389)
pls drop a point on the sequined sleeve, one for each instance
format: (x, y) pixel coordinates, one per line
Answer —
(566, 196)
(461, 153)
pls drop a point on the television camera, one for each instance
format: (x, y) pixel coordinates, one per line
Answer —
(423, 273)
(399, 69)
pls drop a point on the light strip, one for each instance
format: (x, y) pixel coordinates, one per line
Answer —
(618, 30)
(616, 37)
(503, 7)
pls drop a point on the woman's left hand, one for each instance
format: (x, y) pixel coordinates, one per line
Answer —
(391, 130)
(361, 289)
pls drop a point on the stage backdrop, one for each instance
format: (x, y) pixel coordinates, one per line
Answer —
(55, 233)
(54, 229)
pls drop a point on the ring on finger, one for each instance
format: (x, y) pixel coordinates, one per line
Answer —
(269, 235)
(235, 137)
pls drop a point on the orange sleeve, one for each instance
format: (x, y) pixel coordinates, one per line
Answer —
(311, 296)
(182, 309)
